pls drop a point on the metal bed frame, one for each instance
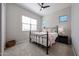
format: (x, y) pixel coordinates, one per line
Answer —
(30, 39)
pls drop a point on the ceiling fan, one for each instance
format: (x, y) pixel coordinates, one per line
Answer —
(43, 6)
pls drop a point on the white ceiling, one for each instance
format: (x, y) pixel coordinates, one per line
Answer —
(34, 7)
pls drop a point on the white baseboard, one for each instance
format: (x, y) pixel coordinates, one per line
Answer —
(74, 51)
(20, 42)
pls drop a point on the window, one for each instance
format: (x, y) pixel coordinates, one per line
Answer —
(63, 18)
(28, 23)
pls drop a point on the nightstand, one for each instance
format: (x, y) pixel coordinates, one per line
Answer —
(62, 39)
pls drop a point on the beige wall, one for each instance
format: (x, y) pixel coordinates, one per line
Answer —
(14, 22)
(53, 20)
(75, 27)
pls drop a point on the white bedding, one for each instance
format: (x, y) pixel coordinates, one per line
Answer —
(39, 33)
(51, 38)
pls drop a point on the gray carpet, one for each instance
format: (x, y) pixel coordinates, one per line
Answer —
(30, 49)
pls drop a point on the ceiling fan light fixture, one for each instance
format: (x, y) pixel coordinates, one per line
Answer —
(41, 9)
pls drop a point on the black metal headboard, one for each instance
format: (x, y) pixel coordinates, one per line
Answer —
(53, 29)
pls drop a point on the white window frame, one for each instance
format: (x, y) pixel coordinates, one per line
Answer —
(29, 23)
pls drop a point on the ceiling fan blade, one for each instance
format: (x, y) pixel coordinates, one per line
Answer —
(42, 6)
(39, 4)
(46, 6)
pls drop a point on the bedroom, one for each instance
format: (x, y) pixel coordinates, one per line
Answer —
(17, 30)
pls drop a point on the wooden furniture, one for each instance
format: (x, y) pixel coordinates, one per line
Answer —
(10, 43)
(62, 39)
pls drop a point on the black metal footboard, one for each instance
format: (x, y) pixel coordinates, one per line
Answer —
(41, 37)
(47, 44)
